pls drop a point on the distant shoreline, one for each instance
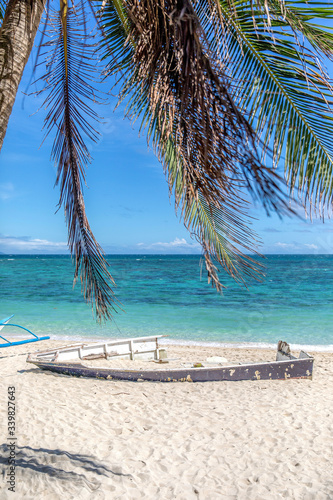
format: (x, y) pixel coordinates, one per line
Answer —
(147, 254)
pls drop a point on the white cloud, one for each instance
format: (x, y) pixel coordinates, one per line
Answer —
(176, 244)
(311, 246)
(12, 244)
(6, 190)
(285, 245)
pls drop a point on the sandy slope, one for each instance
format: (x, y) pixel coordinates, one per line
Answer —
(96, 439)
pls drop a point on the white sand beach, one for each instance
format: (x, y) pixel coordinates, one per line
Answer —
(98, 439)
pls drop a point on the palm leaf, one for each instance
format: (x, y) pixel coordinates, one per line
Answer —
(3, 6)
(275, 54)
(170, 79)
(70, 69)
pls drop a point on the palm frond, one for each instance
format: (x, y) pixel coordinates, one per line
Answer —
(170, 79)
(3, 6)
(223, 228)
(281, 84)
(70, 69)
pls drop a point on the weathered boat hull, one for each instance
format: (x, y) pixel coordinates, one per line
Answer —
(275, 370)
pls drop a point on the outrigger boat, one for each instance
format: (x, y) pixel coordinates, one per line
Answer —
(66, 360)
(8, 343)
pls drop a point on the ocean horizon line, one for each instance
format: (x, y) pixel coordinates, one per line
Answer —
(150, 254)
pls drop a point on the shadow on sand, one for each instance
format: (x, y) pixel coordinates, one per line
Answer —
(58, 464)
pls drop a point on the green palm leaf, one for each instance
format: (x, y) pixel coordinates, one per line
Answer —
(3, 6)
(281, 85)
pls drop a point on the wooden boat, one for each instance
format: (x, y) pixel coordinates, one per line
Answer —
(8, 343)
(62, 360)
(132, 348)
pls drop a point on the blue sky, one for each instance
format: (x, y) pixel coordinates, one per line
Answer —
(127, 198)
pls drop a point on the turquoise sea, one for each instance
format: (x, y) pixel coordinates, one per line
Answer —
(169, 295)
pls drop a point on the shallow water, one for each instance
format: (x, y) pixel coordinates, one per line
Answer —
(167, 295)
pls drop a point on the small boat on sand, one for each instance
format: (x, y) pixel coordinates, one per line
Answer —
(66, 360)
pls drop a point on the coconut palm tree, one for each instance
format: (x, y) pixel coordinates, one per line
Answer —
(225, 90)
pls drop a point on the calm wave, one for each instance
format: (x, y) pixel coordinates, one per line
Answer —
(167, 295)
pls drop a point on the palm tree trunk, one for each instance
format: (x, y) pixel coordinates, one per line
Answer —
(17, 35)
